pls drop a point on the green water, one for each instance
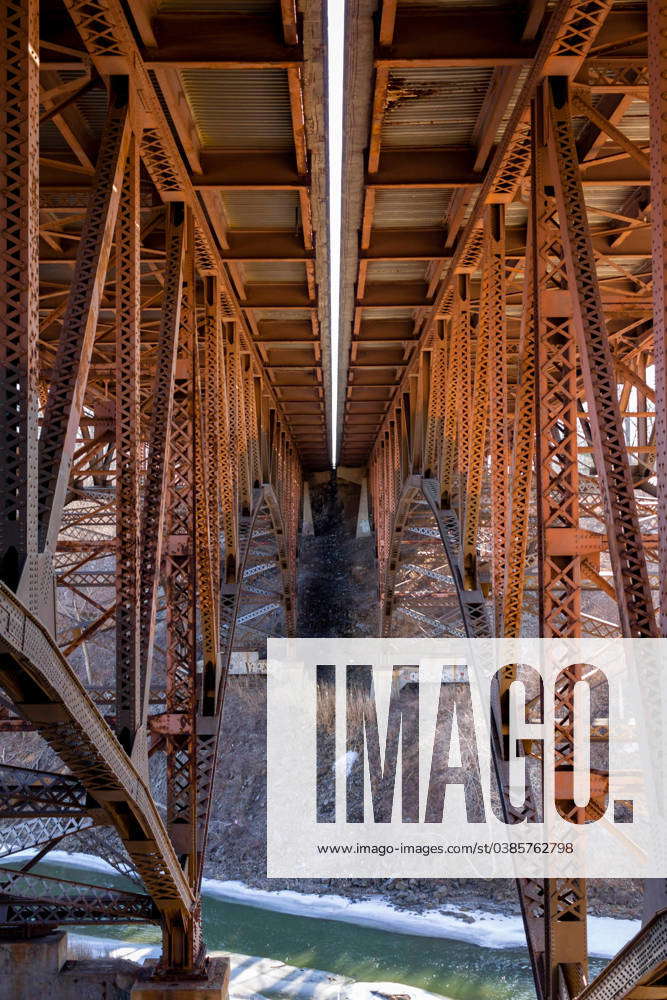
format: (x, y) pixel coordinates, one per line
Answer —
(453, 968)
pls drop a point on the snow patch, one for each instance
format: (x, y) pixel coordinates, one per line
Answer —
(345, 763)
(606, 935)
(253, 978)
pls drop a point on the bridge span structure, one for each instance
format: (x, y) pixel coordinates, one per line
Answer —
(167, 388)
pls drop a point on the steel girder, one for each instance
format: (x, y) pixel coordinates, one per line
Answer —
(639, 970)
(27, 899)
(128, 453)
(26, 793)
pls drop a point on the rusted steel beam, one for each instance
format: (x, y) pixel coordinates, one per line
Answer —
(290, 21)
(25, 793)
(625, 546)
(255, 171)
(556, 405)
(50, 902)
(638, 971)
(74, 728)
(154, 502)
(494, 261)
(19, 294)
(478, 435)
(232, 41)
(128, 456)
(180, 581)
(523, 451)
(425, 168)
(68, 383)
(387, 22)
(445, 39)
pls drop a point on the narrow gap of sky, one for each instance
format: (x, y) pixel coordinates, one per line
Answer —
(335, 37)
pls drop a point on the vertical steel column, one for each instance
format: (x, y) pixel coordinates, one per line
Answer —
(128, 513)
(70, 371)
(464, 388)
(181, 584)
(238, 435)
(207, 548)
(556, 409)
(251, 420)
(478, 430)
(449, 361)
(498, 445)
(212, 413)
(227, 468)
(19, 294)
(207, 530)
(564, 901)
(523, 451)
(433, 438)
(154, 506)
(626, 553)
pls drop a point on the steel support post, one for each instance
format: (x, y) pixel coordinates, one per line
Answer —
(19, 294)
(523, 452)
(236, 408)
(556, 406)
(128, 433)
(242, 428)
(180, 583)
(464, 388)
(251, 421)
(228, 478)
(563, 904)
(448, 363)
(154, 505)
(435, 408)
(494, 262)
(207, 532)
(478, 431)
(207, 542)
(212, 405)
(70, 371)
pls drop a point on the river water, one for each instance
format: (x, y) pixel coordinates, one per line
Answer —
(453, 968)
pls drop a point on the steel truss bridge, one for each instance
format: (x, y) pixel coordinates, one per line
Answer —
(165, 387)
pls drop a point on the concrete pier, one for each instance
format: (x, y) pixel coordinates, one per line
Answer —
(29, 966)
(214, 987)
(37, 968)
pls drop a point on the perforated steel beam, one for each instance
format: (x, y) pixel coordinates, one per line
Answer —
(19, 293)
